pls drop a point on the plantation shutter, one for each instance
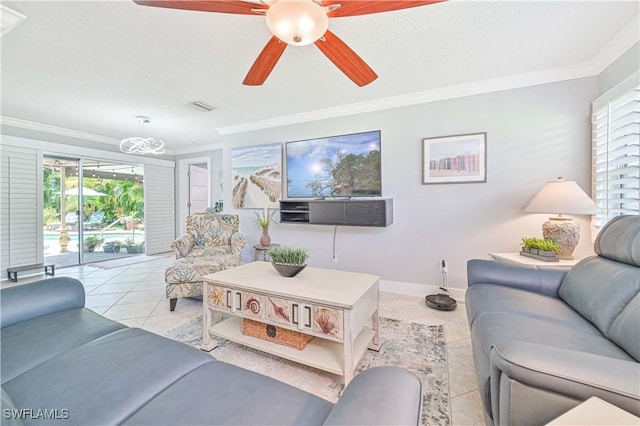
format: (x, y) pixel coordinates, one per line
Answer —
(159, 209)
(616, 152)
(20, 207)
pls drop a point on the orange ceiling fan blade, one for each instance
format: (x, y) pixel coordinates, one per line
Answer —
(346, 59)
(263, 65)
(220, 6)
(364, 7)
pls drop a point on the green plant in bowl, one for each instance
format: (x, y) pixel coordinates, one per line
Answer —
(289, 255)
(288, 261)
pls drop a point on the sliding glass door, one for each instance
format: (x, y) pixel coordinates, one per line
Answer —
(61, 215)
(93, 210)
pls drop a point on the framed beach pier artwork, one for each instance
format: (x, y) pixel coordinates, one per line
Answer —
(454, 159)
(256, 176)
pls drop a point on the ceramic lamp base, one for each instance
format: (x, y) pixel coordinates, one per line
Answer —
(565, 232)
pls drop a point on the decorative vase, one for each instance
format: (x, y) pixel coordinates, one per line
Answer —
(288, 270)
(265, 239)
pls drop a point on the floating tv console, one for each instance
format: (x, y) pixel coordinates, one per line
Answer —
(369, 212)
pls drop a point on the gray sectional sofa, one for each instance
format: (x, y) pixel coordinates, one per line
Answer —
(544, 340)
(64, 364)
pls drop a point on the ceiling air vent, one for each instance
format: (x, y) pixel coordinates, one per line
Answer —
(201, 106)
(10, 19)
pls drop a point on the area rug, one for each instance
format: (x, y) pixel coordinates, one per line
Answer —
(417, 347)
(132, 260)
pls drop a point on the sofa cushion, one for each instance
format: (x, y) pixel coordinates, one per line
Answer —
(498, 298)
(26, 301)
(108, 379)
(494, 329)
(30, 343)
(233, 396)
(625, 330)
(599, 289)
(619, 240)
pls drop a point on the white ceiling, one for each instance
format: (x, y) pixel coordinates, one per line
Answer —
(93, 66)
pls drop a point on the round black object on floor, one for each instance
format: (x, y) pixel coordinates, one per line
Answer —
(441, 302)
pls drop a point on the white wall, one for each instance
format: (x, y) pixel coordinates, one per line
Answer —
(534, 135)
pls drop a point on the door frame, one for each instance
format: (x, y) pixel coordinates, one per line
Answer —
(183, 185)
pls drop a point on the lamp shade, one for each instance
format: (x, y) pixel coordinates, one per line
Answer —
(562, 197)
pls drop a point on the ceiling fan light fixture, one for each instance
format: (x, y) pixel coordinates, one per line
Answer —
(297, 22)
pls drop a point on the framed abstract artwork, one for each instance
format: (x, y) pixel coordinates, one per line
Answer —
(256, 176)
(454, 159)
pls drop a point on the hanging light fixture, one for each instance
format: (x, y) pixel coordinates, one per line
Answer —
(142, 145)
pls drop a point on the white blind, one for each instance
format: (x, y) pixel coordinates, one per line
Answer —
(20, 207)
(616, 153)
(159, 209)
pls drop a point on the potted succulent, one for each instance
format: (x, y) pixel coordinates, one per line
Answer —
(263, 221)
(133, 247)
(539, 248)
(112, 246)
(91, 242)
(288, 261)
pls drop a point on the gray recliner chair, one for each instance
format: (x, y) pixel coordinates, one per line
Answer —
(545, 340)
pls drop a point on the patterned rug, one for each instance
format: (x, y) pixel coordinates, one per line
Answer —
(417, 347)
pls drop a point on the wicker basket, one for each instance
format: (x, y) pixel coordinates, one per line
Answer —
(271, 333)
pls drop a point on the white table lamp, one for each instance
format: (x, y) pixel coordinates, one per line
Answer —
(562, 197)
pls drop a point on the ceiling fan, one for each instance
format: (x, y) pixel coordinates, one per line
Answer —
(299, 23)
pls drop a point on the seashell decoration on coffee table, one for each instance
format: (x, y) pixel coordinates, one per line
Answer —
(253, 305)
(327, 321)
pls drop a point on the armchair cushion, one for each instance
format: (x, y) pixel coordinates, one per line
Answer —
(193, 268)
(212, 229)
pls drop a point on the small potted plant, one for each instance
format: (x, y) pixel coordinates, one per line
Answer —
(133, 247)
(530, 245)
(263, 221)
(288, 261)
(548, 248)
(539, 248)
(113, 246)
(91, 242)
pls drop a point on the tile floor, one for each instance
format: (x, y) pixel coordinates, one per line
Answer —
(134, 295)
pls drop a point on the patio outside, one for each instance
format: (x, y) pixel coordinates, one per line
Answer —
(112, 225)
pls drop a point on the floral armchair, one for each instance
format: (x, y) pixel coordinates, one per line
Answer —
(211, 243)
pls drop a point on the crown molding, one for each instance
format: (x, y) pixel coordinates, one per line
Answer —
(192, 149)
(9, 19)
(451, 92)
(623, 41)
(60, 131)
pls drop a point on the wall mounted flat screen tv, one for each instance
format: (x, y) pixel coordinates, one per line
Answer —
(337, 166)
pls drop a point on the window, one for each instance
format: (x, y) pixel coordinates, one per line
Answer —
(616, 152)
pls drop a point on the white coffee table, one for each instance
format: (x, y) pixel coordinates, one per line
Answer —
(348, 299)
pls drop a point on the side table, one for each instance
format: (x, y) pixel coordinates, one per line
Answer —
(516, 259)
(259, 248)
